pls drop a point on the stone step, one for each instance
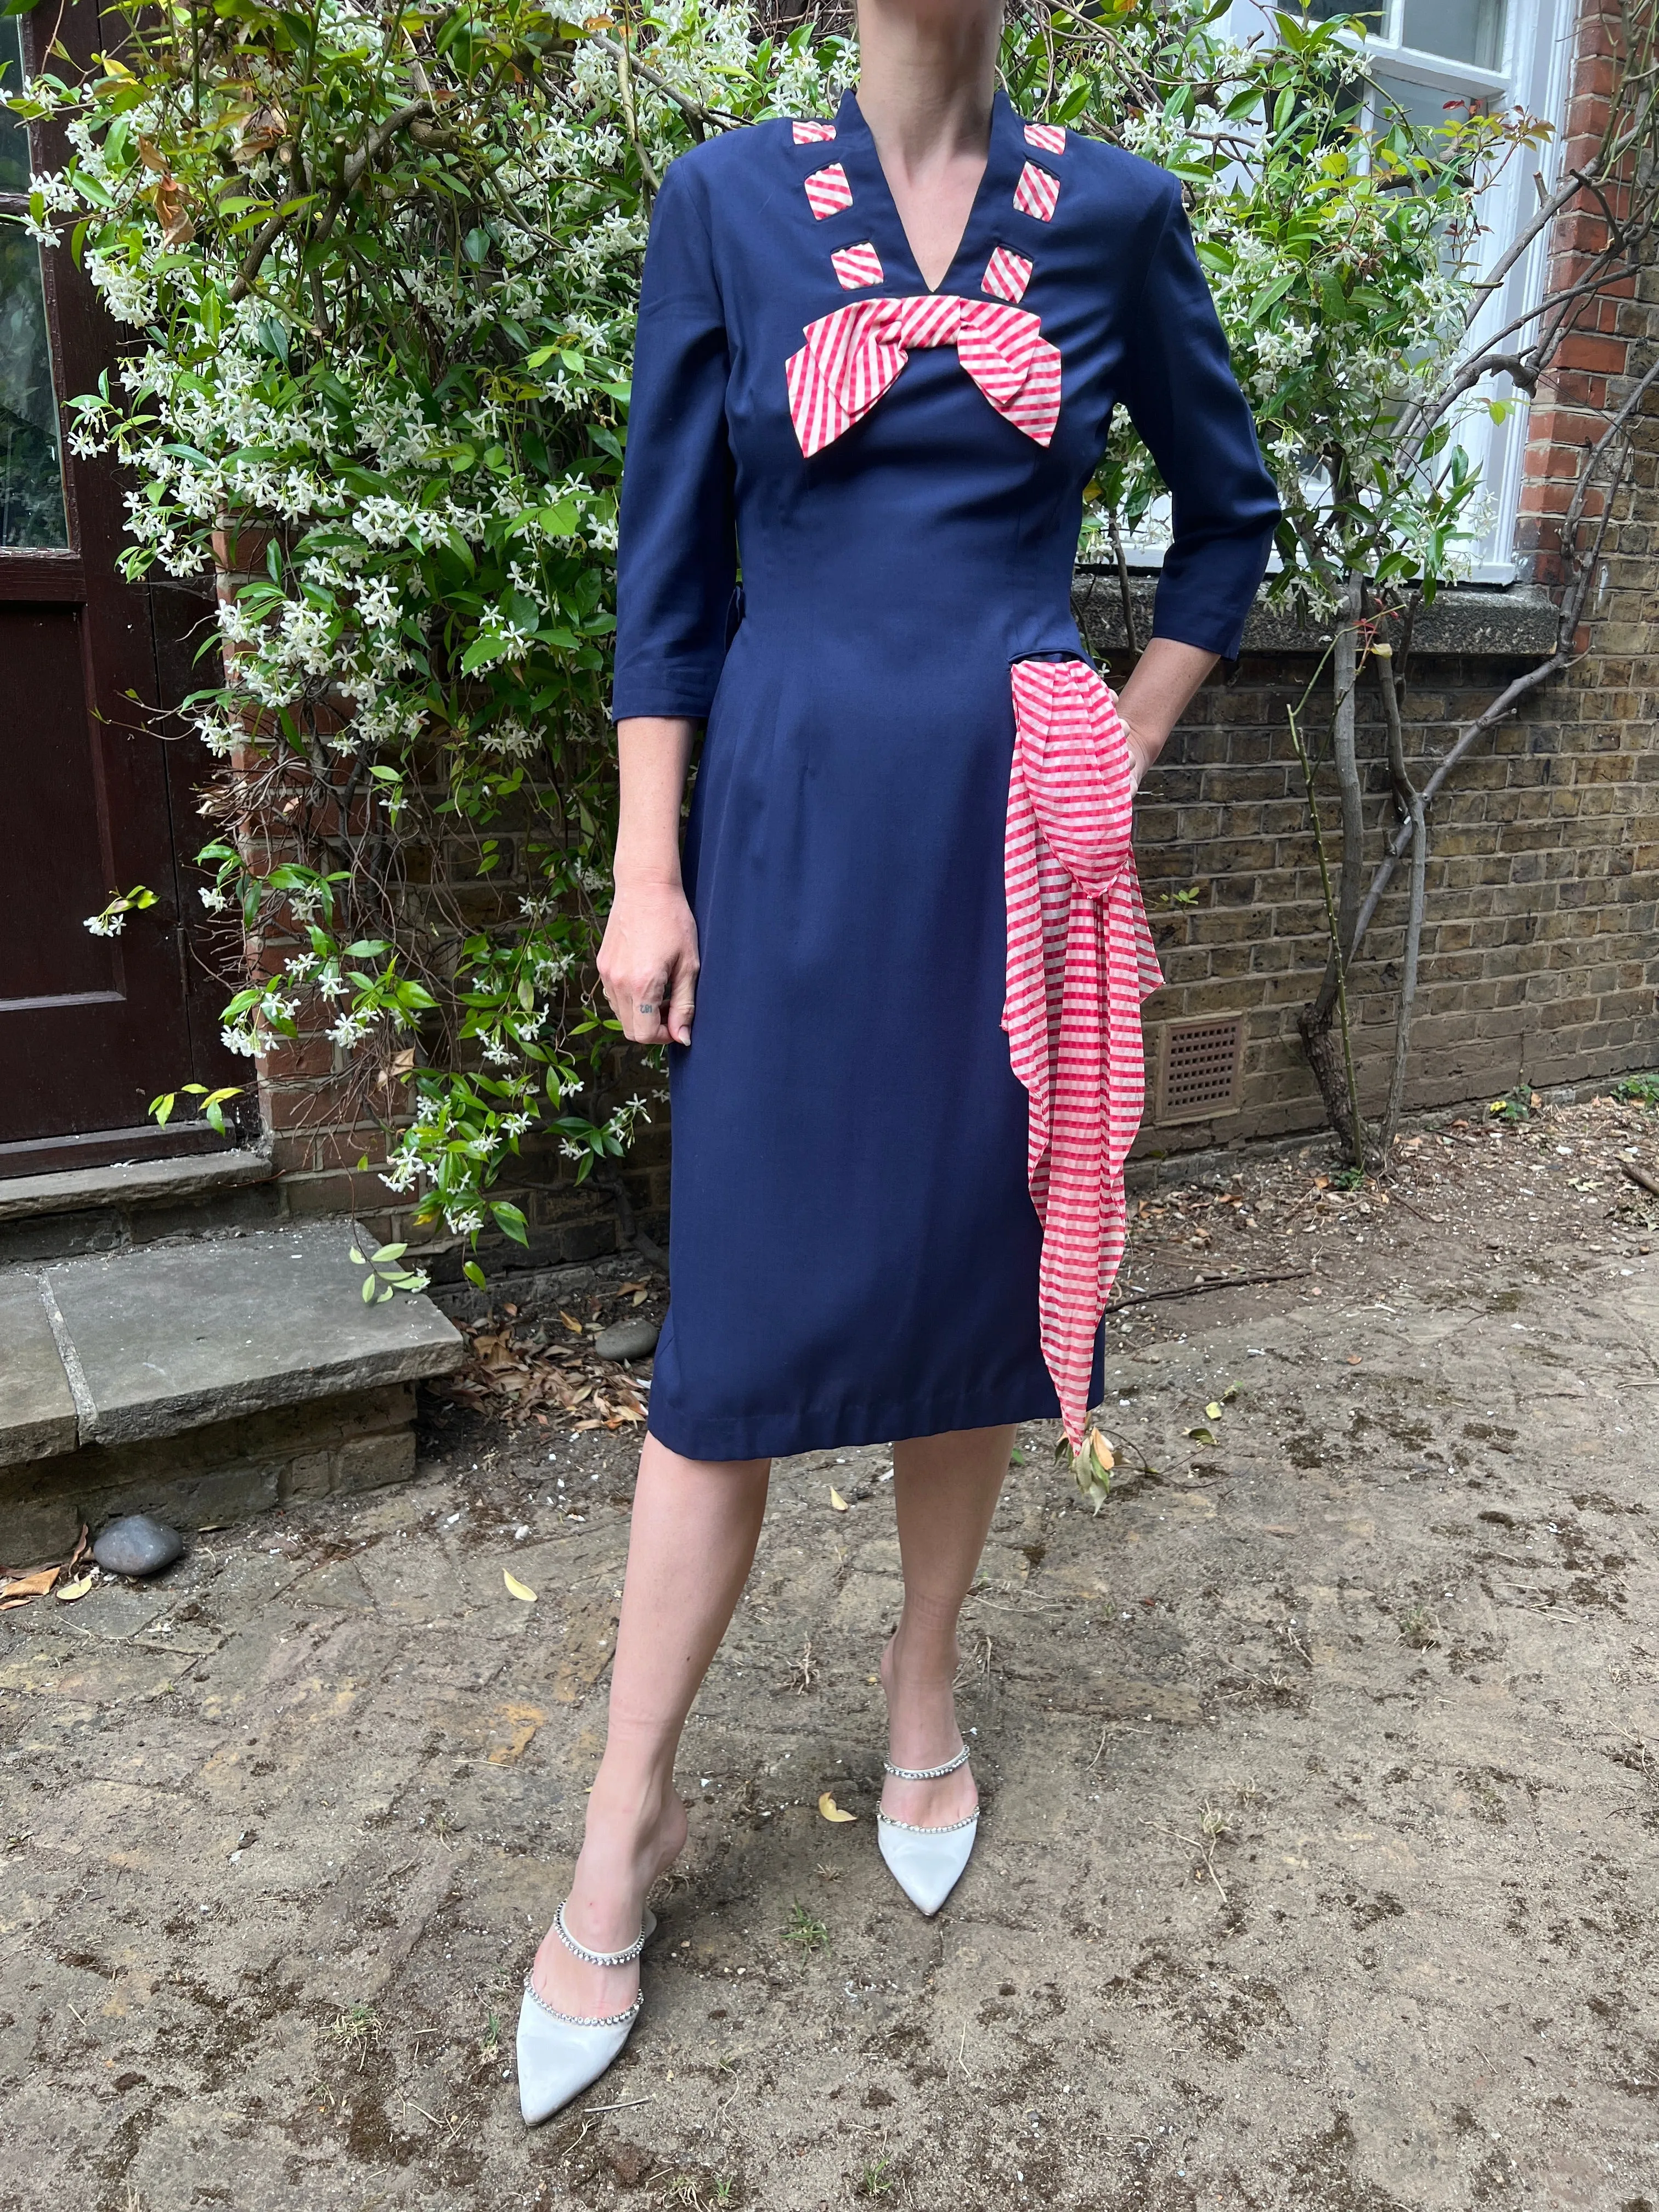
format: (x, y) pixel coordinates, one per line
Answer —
(203, 1379)
(49, 1218)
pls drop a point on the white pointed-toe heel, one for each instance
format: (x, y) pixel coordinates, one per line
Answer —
(926, 1863)
(560, 2056)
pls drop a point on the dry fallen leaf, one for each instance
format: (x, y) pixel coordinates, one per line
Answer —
(1354, 1359)
(35, 1585)
(836, 1500)
(516, 1589)
(831, 1811)
(1213, 1411)
(70, 1591)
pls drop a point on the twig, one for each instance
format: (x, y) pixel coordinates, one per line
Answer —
(1408, 798)
(693, 115)
(623, 2105)
(1315, 1033)
(648, 176)
(1210, 1282)
(1130, 629)
(1202, 1843)
(1641, 1176)
(350, 177)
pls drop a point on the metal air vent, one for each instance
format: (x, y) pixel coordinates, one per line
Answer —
(1198, 1070)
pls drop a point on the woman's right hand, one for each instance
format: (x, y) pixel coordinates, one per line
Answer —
(648, 961)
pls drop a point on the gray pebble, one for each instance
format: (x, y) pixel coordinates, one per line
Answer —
(135, 1545)
(628, 1339)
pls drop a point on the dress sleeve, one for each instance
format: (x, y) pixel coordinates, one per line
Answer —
(676, 551)
(1184, 400)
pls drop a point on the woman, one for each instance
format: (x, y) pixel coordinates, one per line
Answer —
(877, 358)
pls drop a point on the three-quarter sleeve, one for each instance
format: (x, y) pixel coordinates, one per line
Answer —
(1184, 400)
(677, 552)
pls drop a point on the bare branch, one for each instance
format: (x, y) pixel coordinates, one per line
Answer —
(718, 118)
(350, 176)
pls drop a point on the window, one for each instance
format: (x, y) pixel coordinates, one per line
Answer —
(31, 456)
(1425, 56)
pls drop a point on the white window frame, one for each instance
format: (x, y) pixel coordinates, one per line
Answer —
(1539, 46)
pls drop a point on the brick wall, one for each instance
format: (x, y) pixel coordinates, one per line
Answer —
(1540, 959)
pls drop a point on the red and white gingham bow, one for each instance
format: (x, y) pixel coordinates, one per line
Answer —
(1081, 961)
(853, 356)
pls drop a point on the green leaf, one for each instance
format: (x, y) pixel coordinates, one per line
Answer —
(474, 1273)
(368, 1291)
(510, 1220)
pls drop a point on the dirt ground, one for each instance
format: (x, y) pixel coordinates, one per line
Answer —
(1321, 1774)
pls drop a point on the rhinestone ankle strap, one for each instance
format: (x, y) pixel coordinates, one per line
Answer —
(602, 1957)
(925, 1773)
(576, 2020)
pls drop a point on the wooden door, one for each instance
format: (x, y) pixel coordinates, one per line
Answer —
(94, 801)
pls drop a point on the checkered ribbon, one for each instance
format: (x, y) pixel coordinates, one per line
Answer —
(1081, 961)
(852, 356)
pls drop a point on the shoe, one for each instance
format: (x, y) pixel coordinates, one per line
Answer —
(926, 1863)
(560, 2056)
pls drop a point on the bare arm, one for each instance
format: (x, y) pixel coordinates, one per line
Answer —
(648, 961)
(1166, 678)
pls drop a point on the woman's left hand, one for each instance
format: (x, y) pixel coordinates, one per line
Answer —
(1156, 696)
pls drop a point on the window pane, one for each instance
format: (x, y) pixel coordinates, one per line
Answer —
(1429, 107)
(1463, 30)
(31, 471)
(1370, 19)
(13, 135)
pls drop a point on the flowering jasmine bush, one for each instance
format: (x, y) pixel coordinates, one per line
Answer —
(379, 265)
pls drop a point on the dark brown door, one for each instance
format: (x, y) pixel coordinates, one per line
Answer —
(94, 801)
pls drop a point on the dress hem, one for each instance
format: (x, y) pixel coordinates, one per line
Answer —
(784, 1435)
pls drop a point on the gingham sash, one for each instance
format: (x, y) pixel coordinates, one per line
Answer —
(852, 356)
(1081, 961)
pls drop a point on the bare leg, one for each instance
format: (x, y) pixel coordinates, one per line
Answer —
(946, 1489)
(690, 1549)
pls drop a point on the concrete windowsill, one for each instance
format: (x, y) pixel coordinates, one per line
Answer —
(1480, 621)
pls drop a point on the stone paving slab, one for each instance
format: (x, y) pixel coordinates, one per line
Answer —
(180, 1335)
(36, 1407)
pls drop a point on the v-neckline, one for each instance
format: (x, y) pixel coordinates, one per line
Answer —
(851, 116)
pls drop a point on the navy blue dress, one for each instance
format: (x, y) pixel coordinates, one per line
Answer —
(854, 1250)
